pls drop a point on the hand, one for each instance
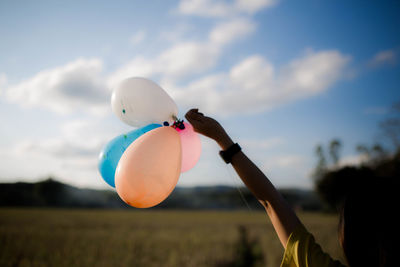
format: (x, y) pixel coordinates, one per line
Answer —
(204, 125)
(208, 127)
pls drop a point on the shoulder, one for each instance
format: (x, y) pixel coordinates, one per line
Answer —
(302, 250)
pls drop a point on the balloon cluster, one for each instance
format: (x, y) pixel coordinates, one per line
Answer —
(144, 165)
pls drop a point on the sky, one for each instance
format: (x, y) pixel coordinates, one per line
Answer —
(280, 76)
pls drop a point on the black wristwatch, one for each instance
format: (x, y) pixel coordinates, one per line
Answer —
(227, 154)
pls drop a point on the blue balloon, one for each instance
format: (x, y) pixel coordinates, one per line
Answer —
(112, 152)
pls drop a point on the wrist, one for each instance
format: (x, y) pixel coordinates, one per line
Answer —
(224, 141)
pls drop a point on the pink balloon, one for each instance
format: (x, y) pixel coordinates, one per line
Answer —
(149, 168)
(191, 147)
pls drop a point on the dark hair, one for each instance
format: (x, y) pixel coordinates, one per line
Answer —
(369, 225)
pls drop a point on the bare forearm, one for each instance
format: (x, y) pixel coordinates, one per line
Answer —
(281, 215)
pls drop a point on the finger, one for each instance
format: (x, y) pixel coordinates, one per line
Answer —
(194, 114)
(196, 111)
(193, 110)
(190, 116)
(195, 121)
(189, 113)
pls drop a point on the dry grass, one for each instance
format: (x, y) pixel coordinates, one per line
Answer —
(56, 237)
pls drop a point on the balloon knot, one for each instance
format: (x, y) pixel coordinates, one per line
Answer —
(178, 124)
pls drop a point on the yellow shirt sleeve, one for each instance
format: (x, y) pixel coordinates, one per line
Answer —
(302, 251)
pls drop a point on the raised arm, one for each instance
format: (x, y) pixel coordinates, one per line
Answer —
(281, 215)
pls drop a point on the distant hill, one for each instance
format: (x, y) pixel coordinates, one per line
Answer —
(51, 193)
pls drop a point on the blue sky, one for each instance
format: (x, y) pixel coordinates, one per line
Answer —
(280, 76)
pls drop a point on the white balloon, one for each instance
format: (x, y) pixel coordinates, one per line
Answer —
(139, 101)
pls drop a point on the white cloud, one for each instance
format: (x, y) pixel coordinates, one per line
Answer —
(186, 58)
(253, 6)
(194, 57)
(288, 170)
(71, 156)
(57, 148)
(314, 72)
(79, 138)
(76, 85)
(252, 73)
(232, 30)
(81, 85)
(3, 81)
(137, 67)
(212, 8)
(138, 37)
(255, 85)
(207, 8)
(285, 161)
(178, 61)
(386, 57)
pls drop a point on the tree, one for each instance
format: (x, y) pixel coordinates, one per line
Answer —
(322, 165)
(390, 127)
(372, 155)
(334, 148)
(333, 184)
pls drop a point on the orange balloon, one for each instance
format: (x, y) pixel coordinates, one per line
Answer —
(149, 169)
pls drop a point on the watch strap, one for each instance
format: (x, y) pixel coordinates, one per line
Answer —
(227, 154)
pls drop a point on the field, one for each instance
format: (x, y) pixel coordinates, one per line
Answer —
(60, 237)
